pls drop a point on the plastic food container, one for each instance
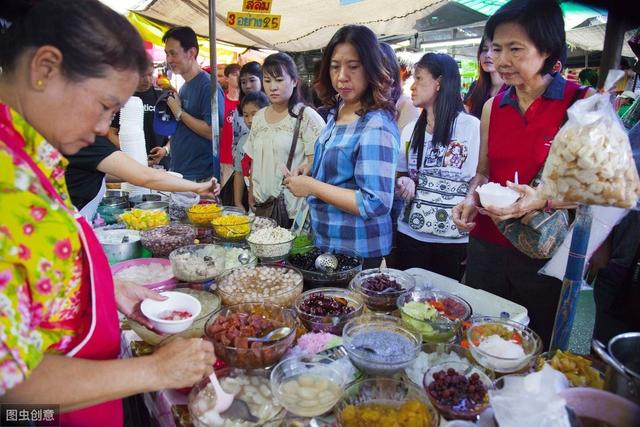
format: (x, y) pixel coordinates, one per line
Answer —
(198, 263)
(464, 407)
(161, 241)
(253, 355)
(264, 283)
(307, 385)
(380, 344)
(499, 330)
(170, 316)
(333, 324)
(382, 300)
(437, 315)
(398, 400)
(492, 194)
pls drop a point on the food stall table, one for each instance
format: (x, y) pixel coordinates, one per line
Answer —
(161, 404)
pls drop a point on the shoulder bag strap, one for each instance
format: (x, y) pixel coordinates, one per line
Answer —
(294, 143)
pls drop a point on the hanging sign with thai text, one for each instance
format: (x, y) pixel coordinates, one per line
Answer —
(256, 6)
(255, 21)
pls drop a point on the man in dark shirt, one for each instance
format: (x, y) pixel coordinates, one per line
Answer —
(149, 96)
(84, 180)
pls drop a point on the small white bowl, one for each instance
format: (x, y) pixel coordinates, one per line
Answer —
(492, 194)
(153, 309)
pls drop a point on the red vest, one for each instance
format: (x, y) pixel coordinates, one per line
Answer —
(520, 142)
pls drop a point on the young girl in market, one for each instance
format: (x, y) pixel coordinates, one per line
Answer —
(271, 137)
(250, 81)
(434, 170)
(350, 189)
(250, 105)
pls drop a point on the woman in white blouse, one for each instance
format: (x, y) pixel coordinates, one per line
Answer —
(271, 135)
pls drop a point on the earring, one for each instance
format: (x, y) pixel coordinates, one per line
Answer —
(39, 83)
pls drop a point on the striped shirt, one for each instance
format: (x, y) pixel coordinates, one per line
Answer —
(360, 156)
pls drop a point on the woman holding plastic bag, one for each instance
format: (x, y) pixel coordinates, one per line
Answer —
(517, 129)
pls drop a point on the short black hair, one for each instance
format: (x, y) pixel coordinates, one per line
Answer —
(231, 68)
(542, 21)
(91, 36)
(259, 98)
(184, 35)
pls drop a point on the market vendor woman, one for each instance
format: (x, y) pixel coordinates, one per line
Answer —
(67, 66)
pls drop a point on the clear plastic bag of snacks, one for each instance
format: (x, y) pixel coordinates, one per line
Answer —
(590, 160)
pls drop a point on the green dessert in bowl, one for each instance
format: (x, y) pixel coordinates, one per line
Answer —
(437, 315)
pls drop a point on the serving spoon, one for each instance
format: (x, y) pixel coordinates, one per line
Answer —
(274, 335)
(228, 406)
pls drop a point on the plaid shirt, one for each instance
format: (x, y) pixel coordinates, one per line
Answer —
(360, 156)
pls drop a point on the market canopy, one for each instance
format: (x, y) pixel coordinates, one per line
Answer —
(309, 24)
(305, 25)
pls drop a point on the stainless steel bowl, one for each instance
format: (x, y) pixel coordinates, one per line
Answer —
(144, 198)
(114, 201)
(153, 206)
(120, 245)
(117, 193)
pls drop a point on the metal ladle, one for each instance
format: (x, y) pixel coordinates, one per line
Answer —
(326, 262)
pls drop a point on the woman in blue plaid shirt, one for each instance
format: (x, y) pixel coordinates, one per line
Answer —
(351, 182)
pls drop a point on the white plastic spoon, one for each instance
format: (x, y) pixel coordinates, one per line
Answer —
(223, 399)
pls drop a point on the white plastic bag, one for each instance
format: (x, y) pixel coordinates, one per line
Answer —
(590, 160)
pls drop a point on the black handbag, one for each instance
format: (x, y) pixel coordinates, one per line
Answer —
(275, 207)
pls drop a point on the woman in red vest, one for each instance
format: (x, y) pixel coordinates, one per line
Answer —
(517, 128)
(67, 67)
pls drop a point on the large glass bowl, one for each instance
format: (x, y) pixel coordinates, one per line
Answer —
(197, 263)
(161, 241)
(401, 402)
(349, 264)
(250, 386)
(482, 328)
(332, 324)
(441, 321)
(460, 407)
(270, 252)
(306, 385)
(380, 344)
(232, 224)
(203, 213)
(383, 301)
(254, 355)
(273, 284)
